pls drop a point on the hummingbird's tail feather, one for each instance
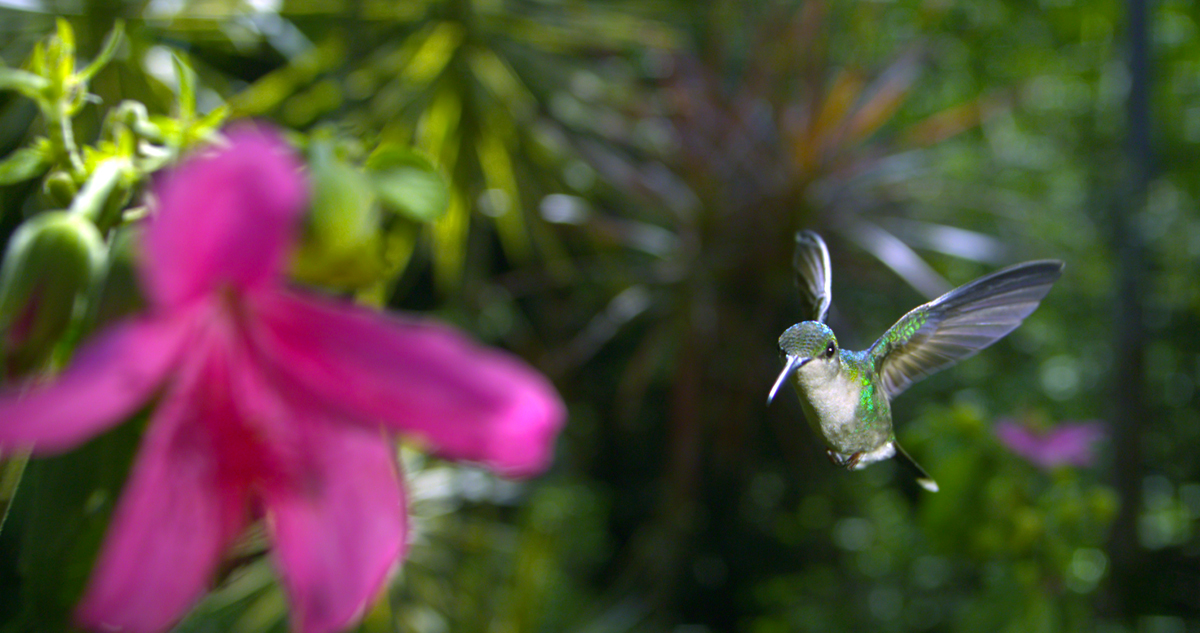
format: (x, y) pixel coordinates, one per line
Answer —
(923, 478)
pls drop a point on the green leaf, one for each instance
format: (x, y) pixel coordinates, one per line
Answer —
(11, 470)
(60, 515)
(23, 164)
(250, 599)
(208, 124)
(37, 59)
(434, 53)
(61, 55)
(24, 82)
(187, 89)
(66, 36)
(341, 247)
(496, 163)
(408, 183)
(111, 43)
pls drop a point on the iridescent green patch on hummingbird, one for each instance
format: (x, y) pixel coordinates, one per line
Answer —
(846, 396)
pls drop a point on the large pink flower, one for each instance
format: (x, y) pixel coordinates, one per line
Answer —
(271, 403)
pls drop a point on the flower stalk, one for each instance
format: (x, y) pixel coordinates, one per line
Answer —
(95, 200)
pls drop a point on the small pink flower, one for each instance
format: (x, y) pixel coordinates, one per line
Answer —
(1069, 443)
(271, 403)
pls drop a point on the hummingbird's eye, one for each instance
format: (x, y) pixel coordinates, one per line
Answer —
(830, 350)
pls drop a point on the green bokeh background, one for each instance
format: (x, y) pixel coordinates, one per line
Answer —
(621, 185)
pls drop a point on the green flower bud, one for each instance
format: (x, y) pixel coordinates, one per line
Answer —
(60, 188)
(342, 246)
(116, 293)
(50, 261)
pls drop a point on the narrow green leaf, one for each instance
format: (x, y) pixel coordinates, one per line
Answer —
(37, 59)
(408, 183)
(499, 77)
(24, 82)
(187, 89)
(503, 193)
(62, 54)
(23, 164)
(275, 87)
(435, 53)
(211, 122)
(60, 515)
(66, 36)
(11, 470)
(111, 43)
(450, 243)
(238, 601)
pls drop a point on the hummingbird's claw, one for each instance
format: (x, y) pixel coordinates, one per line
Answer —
(849, 462)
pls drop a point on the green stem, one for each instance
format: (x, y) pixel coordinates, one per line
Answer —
(67, 136)
(91, 201)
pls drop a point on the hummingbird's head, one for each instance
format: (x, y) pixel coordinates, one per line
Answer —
(812, 349)
(809, 340)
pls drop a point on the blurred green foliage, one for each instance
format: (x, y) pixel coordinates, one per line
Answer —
(610, 188)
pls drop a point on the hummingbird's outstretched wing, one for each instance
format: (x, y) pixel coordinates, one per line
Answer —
(959, 323)
(812, 273)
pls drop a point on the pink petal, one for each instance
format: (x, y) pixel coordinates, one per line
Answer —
(1017, 438)
(177, 514)
(466, 401)
(1073, 443)
(331, 495)
(110, 377)
(339, 527)
(225, 216)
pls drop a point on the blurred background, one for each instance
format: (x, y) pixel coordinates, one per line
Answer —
(619, 183)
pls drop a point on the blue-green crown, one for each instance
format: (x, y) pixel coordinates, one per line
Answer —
(806, 339)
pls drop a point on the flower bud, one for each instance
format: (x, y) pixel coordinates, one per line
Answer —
(59, 188)
(116, 293)
(50, 261)
(342, 245)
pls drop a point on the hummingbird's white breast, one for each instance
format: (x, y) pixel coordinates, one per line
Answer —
(839, 407)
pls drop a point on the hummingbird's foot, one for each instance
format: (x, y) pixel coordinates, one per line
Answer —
(849, 462)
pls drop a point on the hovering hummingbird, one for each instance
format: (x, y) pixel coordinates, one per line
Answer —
(846, 396)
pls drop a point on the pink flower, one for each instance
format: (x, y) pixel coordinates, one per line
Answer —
(271, 403)
(1069, 443)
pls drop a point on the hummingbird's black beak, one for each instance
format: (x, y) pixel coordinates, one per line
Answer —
(793, 363)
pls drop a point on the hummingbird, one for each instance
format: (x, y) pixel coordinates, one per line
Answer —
(846, 396)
